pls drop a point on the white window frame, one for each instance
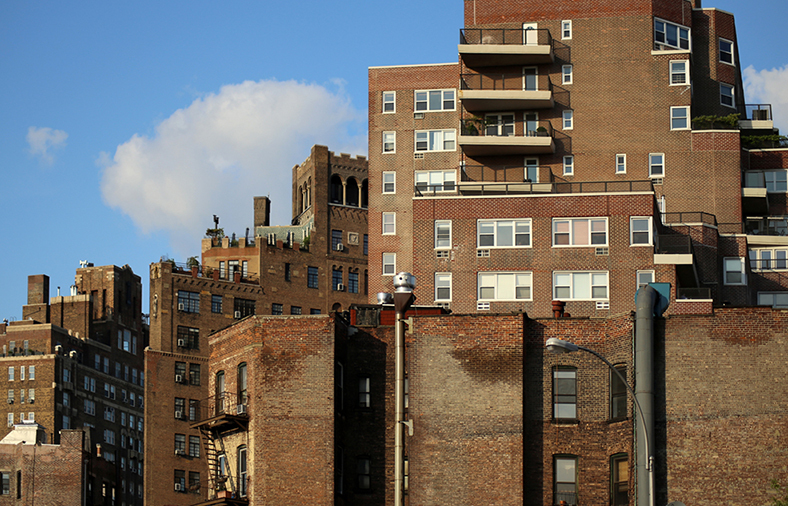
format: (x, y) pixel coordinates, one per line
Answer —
(673, 74)
(569, 165)
(771, 180)
(514, 279)
(445, 95)
(566, 29)
(448, 180)
(389, 223)
(433, 138)
(726, 86)
(567, 119)
(442, 282)
(652, 165)
(573, 278)
(732, 261)
(389, 182)
(389, 97)
(632, 231)
(567, 74)
(621, 163)
(389, 259)
(661, 37)
(730, 52)
(775, 259)
(638, 277)
(674, 116)
(571, 232)
(442, 244)
(497, 225)
(389, 139)
(497, 126)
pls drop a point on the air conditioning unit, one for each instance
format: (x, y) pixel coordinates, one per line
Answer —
(10, 401)
(237, 315)
(241, 409)
(181, 343)
(72, 354)
(178, 487)
(32, 400)
(181, 306)
(179, 378)
(179, 416)
(340, 247)
(340, 287)
(179, 452)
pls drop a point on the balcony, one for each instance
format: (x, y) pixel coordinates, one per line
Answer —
(673, 250)
(755, 196)
(757, 117)
(487, 47)
(501, 92)
(499, 138)
(469, 188)
(693, 293)
(223, 413)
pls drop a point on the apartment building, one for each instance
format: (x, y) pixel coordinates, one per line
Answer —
(576, 151)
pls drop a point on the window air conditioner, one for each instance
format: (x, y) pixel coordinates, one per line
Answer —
(340, 287)
(340, 247)
(241, 409)
(181, 306)
(237, 314)
(178, 487)
(179, 452)
(10, 401)
(179, 378)
(181, 343)
(32, 400)
(179, 416)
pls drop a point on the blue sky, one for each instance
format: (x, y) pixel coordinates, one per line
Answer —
(124, 126)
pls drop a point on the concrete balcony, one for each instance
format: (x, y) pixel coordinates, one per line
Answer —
(755, 196)
(757, 117)
(502, 92)
(487, 47)
(499, 140)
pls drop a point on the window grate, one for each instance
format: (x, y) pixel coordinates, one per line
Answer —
(482, 253)
(418, 156)
(603, 251)
(442, 254)
(482, 306)
(656, 181)
(603, 304)
(418, 115)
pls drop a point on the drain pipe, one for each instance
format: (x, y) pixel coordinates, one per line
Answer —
(644, 392)
(404, 283)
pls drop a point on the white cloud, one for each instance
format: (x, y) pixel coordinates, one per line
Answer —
(769, 87)
(41, 140)
(213, 156)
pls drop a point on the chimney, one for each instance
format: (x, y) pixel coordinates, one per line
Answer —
(558, 309)
(262, 212)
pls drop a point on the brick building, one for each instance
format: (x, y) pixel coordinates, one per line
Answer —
(576, 151)
(315, 265)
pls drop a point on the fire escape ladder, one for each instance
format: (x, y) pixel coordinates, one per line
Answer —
(212, 456)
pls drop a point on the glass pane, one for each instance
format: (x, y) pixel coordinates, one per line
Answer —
(565, 411)
(435, 100)
(506, 286)
(505, 233)
(581, 286)
(580, 232)
(565, 471)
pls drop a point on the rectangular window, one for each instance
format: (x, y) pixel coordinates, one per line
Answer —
(442, 286)
(295, 310)
(216, 303)
(31, 375)
(566, 29)
(618, 394)
(436, 181)
(389, 102)
(311, 277)
(774, 299)
(579, 232)
(504, 286)
(276, 309)
(188, 338)
(434, 100)
(776, 181)
(726, 51)
(726, 95)
(364, 396)
(569, 165)
(336, 279)
(621, 164)
(389, 264)
(565, 480)
(568, 119)
(11, 373)
(180, 407)
(22, 373)
(10, 396)
(565, 393)
(389, 142)
(566, 74)
(364, 474)
(580, 285)
(243, 307)
(769, 259)
(671, 35)
(679, 72)
(644, 277)
(442, 234)
(640, 231)
(366, 244)
(656, 165)
(435, 140)
(503, 233)
(194, 376)
(188, 302)
(389, 223)
(336, 239)
(6, 477)
(734, 271)
(352, 283)
(619, 480)
(499, 125)
(194, 482)
(180, 481)
(194, 446)
(389, 182)
(316, 311)
(679, 118)
(194, 406)
(288, 272)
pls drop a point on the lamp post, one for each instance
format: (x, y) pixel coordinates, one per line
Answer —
(555, 345)
(404, 283)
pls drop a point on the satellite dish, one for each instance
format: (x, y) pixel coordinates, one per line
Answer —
(676, 503)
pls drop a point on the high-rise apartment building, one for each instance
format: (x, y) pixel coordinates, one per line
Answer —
(576, 151)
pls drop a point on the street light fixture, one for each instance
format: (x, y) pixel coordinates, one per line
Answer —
(555, 345)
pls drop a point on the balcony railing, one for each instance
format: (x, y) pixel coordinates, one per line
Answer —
(506, 82)
(758, 112)
(506, 36)
(754, 179)
(492, 188)
(477, 127)
(673, 245)
(768, 264)
(514, 174)
(694, 293)
(686, 218)
(221, 408)
(777, 227)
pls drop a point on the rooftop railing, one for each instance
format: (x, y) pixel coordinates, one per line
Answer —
(506, 36)
(777, 227)
(491, 188)
(686, 218)
(758, 112)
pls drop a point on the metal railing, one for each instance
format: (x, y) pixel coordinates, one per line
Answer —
(758, 112)
(768, 264)
(481, 188)
(673, 245)
(521, 173)
(684, 218)
(511, 82)
(482, 127)
(693, 293)
(506, 36)
(226, 403)
(777, 227)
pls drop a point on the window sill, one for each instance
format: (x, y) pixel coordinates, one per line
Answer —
(565, 421)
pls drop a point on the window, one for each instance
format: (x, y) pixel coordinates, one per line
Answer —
(364, 473)
(565, 393)
(317, 311)
(180, 480)
(503, 233)
(569, 165)
(296, 310)
(618, 394)
(580, 285)
(389, 102)
(276, 309)
(568, 119)
(769, 259)
(194, 446)
(6, 478)
(10, 419)
(188, 302)
(22, 373)
(389, 142)
(180, 369)
(389, 264)
(621, 164)
(241, 383)
(644, 278)
(336, 239)
(436, 180)
(776, 181)
(726, 51)
(31, 375)
(726, 95)
(311, 277)
(366, 244)
(194, 376)
(442, 234)
(640, 231)
(352, 284)
(89, 407)
(109, 436)
(11, 373)
(566, 29)
(10, 396)
(734, 271)
(389, 180)
(671, 35)
(106, 365)
(566, 74)
(499, 125)
(504, 286)
(216, 303)
(389, 223)
(434, 100)
(774, 299)
(188, 337)
(180, 407)
(66, 376)
(194, 406)
(288, 272)
(619, 480)
(679, 74)
(194, 482)
(66, 398)
(656, 165)
(243, 471)
(442, 286)
(679, 118)
(435, 140)
(579, 232)
(565, 480)
(336, 279)
(243, 307)
(364, 397)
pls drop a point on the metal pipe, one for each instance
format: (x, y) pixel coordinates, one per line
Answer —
(644, 391)
(404, 284)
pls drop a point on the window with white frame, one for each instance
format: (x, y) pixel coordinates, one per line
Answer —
(579, 232)
(640, 231)
(769, 259)
(436, 180)
(389, 182)
(569, 165)
(774, 299)
(389, 264)
(389, 142)
(671, 35)
(442, 234)
(566, 29)
(503, 233)
(621, 163)
(776, 180)
(579, 285)
(679, 72)
(434, 100)
(568, 119)
(679, 118)
(733, 268)
(499, 125)
(726, 51)
(389, 223)
(442, 286)
(389, 102)
(656, 165)
(726, 95)
(435, 140)
(566, 74)
(644, 277)
(504, 286)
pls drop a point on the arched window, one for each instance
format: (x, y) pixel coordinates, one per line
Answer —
(309, 193)
(219, 392)
(242, 471)
(242, 396)
(364, 193)
(300, 196)
(335, 191)
(352, 192)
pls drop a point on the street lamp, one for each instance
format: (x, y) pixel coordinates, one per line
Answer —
(555, 345)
